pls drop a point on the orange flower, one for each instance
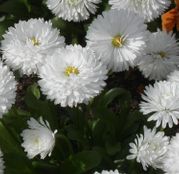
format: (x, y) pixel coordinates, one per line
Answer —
(171, 18)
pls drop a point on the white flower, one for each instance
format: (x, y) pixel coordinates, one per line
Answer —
(108, 172)
(2, 167)
(149, 149)
(118, 37)
(171, 161)
(7, 89)
(26, 45)
(174, 76)
(148, 9)
(76, 10)
(161, 57)
(72, 75)
(161, 102)
(38, 139)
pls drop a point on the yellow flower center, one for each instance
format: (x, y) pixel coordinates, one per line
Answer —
(36, 141)
(71, 70)
(162, 54)
(117, 41)
(35, 41)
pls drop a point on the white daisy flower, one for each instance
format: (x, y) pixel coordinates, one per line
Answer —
(118, 37)
(148, 9)
(73, 10)
(26, 45)
(149, 149)
(39, 139)
(161, 56)
(161, 102)
(108, 172)
(72, 75)
(171, 161)
(7, 89)
(174, 76)
(2, 166)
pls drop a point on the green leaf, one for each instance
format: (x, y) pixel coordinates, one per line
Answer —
(38, 107)
(15, 7)
(35, 90)
(114, 93)
(112, 149)
(81, 162)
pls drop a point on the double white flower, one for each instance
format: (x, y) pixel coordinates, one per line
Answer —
(161, 56)
(72, 75)
(148, 9)
(108, 172)
(73, 10)
(118, 37)
(7, 89)
(38, 139)
(26, 45)
(149, 148)
(160, 102)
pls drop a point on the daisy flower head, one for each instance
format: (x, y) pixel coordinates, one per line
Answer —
(160, 101)
(174, 76)
(26, 45)
(148, 9)
(72, 75)
(161, 56)
(118, 37)
(171, 161)
(7, 89)
(73, 10)
(108, 172)
(149, 148)
(38, 139)
(2, 167)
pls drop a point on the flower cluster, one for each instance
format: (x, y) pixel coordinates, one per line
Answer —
(72, 75)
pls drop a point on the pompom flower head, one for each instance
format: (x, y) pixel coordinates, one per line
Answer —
(39, 139)
(73, 10)
(72, 75)
(118, 37)
(161, 103)
(26, 45)
(149, 9)
(2, 167)
(174, 76)
(161, 56)
(7, 89)
(149, 148)
(171, 161)
(108, 172)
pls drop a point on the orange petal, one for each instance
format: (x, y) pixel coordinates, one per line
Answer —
(177, 21)
(169, 20)
(177, 3)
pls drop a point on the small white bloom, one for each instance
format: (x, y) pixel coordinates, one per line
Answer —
(118, 37)
(72, 75)
(149, 9)
(161, 102)
(76, 10)
(108, 172)
(2, 167)
(171, 161)
(174, 76)
(38, 139)
(26, 45)
(149, 148)
(161, 56)
(7, 89)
